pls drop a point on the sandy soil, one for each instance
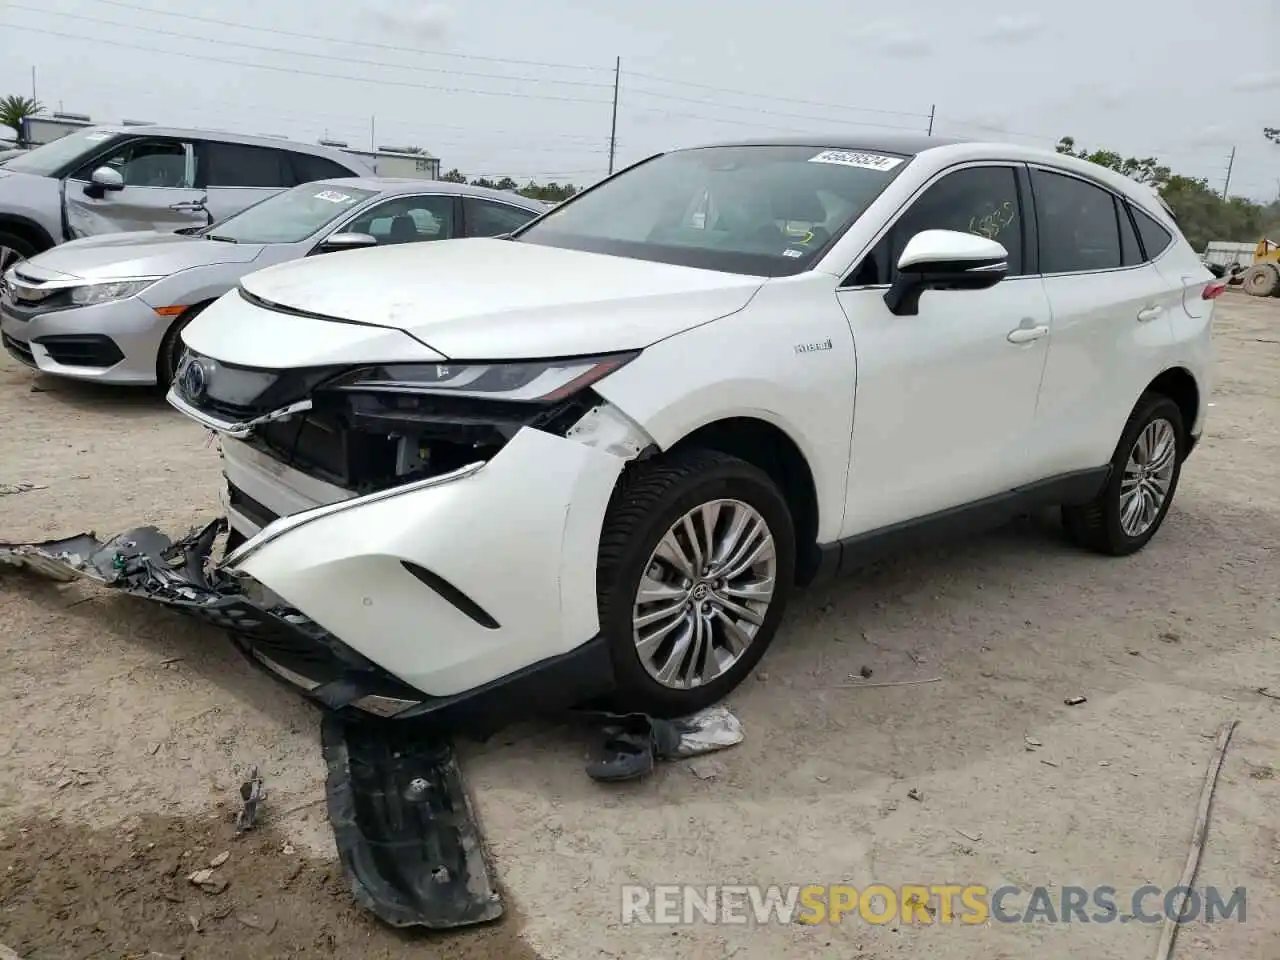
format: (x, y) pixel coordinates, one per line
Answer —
(124, 732)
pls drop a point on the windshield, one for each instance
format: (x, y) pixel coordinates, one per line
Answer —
(291, 216)
(760, 210)
(53, 156)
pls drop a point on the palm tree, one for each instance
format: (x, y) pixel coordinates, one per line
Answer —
(13, 109)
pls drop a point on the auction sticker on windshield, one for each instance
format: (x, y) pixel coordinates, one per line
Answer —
(856, 158)
(333, 196)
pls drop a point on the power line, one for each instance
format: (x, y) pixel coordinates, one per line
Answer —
(766, 96)
(363, 43)
(771, 113)
(305, 73)
(300, 53)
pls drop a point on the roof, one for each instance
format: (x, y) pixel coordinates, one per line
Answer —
(384, 152)
(192, 133)
(394, 186)
(903, 143)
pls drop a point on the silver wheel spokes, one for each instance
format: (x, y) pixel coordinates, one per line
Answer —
(704, 593)
(1148, 474)
(8, 257)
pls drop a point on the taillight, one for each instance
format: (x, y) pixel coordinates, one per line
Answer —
(1213, 290)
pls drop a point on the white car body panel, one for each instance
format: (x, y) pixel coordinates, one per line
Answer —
(241, 335)
(532, 519)
(898, 418)
(494, 300)
(945, 403)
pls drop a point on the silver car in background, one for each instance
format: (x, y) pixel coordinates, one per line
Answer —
(112, 308)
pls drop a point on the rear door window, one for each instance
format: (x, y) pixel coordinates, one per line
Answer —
(1079, 231)
(487, 218)
(242, 165)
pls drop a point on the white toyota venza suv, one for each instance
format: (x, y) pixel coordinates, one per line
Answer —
(595, 456)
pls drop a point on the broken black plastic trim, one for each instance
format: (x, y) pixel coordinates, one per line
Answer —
(407, 837)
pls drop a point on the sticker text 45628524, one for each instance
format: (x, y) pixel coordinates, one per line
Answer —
(857, 158)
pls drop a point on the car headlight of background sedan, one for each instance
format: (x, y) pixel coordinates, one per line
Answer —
(108, 290)
(530, 381)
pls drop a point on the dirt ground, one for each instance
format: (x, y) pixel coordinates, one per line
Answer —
(124, 732)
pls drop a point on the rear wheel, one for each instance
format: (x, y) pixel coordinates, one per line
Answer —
(1144, 477)
(171, 347)
(1262, 280)
(696, 562)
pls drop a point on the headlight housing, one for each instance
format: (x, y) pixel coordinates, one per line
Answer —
(525, 381)
(108, 290)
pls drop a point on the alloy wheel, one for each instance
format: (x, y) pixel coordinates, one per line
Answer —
(8, 257)
(704, 593)
(1148, 475)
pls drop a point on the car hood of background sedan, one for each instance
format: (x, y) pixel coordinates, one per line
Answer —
(142, 254)
(503, 300)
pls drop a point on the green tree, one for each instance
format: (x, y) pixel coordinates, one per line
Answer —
(454, 176)
(1145, 170)
(13, 109)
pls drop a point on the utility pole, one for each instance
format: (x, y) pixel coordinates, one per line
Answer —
(1230, 163)
(932, 108)
(372, 125)
(613, 129)
(33, 82)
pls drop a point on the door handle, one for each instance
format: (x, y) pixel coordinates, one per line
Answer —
(187, 205)
(1147, 314)
(1027, 334)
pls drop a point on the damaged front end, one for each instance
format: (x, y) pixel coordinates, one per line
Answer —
(413, 540)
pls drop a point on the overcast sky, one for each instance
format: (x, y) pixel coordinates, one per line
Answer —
(508, 87)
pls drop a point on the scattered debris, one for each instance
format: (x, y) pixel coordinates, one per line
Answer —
(392, 848)
(153, 748)
(220, 859)
(708, 769)
(858, 684)
(762, 676)
(974, 837)
(1173, 916)
(9, 489)
(1032, 743)
(64, 783)
(632, 742)
(1104, 763)
(1048, 763)
(170, 660)
(1266, 692)
(1170, 637)
(822, 779)
(914, 794)
(256, 923)
(1075, 701)
(864, 673)
(252, 794)
(1135, 653)
(206, 881)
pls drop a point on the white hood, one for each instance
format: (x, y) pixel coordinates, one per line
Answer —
(503, 300)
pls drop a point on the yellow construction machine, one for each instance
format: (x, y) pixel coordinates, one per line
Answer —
(1262, 278)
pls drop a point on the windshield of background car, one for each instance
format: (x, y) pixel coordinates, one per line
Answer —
(759, 210)
(56, 154)
(292, 216)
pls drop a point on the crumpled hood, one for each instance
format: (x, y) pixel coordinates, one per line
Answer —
(145, 253)
(505, 300)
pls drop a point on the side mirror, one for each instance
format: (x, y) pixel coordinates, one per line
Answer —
(346, 241)
(102, 180)
(944, 260)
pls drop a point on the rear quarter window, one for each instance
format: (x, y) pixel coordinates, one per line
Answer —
(1155, 238)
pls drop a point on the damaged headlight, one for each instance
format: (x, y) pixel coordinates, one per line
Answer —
(544, 381)
(109, 290)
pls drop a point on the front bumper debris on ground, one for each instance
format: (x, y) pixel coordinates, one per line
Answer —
(179, 574)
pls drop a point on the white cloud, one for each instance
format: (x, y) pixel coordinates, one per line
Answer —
(894, 38)
(1256, 82)
(425, 20)
(1010, 29)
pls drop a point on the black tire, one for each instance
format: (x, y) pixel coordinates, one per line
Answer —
(651, 498)
(171, 347)
(23, 247)
(1097, 525)
(1262, 280)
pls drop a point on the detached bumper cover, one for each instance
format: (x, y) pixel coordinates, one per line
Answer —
(290, 646)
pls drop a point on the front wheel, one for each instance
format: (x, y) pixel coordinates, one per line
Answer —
(171, 347)
(696, 562)
(1144, 476)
